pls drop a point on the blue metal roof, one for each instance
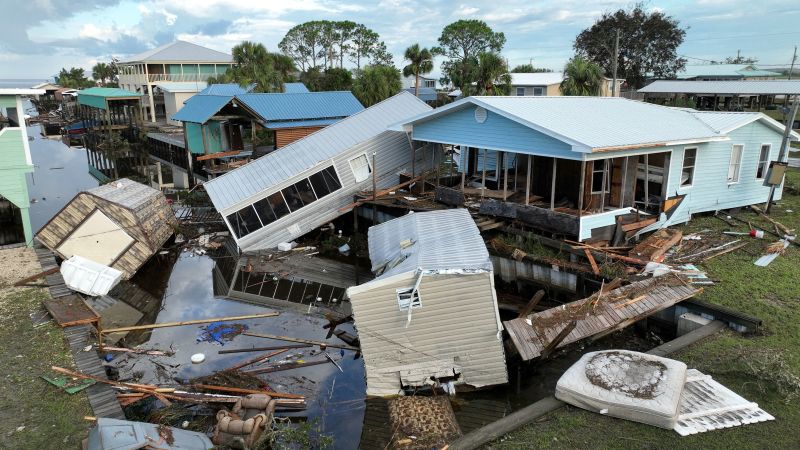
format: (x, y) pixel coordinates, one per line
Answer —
(200, 108)
(294, 88)
(426, 94)
(301, 123)
(230, 89)
(310, 105)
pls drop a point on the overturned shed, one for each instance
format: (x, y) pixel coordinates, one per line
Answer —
(120, 225)
(304, 185)
(433, 272)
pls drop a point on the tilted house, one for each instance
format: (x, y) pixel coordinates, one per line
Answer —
(295, 189)
(589, 167)
(432, 309)
(120, 224)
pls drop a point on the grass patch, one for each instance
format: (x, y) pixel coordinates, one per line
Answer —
(763, 368)
(50, 417)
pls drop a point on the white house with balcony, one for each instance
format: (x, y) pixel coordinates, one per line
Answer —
(176, 62)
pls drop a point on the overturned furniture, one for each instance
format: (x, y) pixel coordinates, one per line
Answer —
(244, 425)
(306, 184)
(120, 224)
(431, 314)
(654, 390)
(113, 434)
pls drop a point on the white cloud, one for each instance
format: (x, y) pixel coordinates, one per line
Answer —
(464, 10)
(92, 31)
(221, 42)
(212, 8)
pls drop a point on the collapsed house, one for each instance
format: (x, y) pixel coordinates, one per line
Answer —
(306, 184)
(120, 224)
(433, 272)
(593, 167)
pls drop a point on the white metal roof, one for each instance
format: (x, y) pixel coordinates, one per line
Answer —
(181, 51)
(723, 70)
(444, 240)
(21, 91)
(125, 192)
(592, 123)
(740, 87)
(725, 122)
(289, 161)
(536, 79)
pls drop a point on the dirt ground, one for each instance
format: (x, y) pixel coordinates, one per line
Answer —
(47, 418)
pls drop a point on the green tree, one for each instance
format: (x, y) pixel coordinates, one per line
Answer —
(253, 64)
(528, 68)
(104, 73)
(363, 44)
(421, 61)
(492, 76)
(74, 78)
(328, 42)
(648, 43)
(581, 77)
(376, 83)
(461, 42)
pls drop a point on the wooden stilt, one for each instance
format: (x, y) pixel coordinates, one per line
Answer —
(528, 180)
(553, 187)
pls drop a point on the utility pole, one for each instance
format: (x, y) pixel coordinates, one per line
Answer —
(784, 144)
(794, 58)
(614, 65)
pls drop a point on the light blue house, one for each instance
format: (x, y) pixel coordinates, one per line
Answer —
(595, 167)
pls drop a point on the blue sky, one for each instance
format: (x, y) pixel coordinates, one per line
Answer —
(41, 36)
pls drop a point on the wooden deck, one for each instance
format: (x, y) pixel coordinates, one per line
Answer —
(102, 398)
(71, 310)
(595, 318)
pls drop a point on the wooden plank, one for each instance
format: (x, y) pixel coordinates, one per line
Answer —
(218, 155)
(589, 256)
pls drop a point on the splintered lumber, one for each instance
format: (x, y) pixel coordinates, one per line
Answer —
(727, 250)
(383, 192)
(37, 276)
(305, 341)
(257, 359)
(137, 351)
(261, 349)
(537, 297)
(719, 247)
(655, 246)
(782, 228)
(557, 340)
(70, 310)
(288, 366)
(218, 155)
(235, 390)
(595, 269)
(609, 254)
(187, 322)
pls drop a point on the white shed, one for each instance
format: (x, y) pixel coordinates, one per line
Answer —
(431, 313)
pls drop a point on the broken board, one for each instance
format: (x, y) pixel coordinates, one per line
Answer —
(656, 245)
(70, 310)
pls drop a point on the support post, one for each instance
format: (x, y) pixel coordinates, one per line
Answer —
(646, 181)
(784, 144)
(528, 180)
(624, 182)
(605, 183)
(374, 189)
(553, 187)
(483, 176)
(505, 177)
(581, 188)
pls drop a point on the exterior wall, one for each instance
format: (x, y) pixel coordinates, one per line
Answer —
(554, 89)
(496, 133)
(173, 102)
(286, 136)
(15, 163)
(393, 156)
(436, 339)
(213, 139)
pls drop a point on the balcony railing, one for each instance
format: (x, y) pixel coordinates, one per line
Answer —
(159, 77)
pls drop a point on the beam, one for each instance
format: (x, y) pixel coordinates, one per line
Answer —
(553, 187)
(528, 180)
(187, 322)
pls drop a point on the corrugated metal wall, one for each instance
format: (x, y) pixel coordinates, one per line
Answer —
(456, 326)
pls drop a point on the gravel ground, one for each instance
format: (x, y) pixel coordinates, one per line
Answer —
(16, 264)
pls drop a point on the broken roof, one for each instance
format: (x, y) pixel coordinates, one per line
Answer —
(444, 240)
(126, 193)
(239, 185)
(180, 51)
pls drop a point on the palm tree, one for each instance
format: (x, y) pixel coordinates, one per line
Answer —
(492, 75)
(376, 83)
(581, 77)
(102, 72)
(421, 62)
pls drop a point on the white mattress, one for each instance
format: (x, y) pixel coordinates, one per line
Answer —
(625, 384)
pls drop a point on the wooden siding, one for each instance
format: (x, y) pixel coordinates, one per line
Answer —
(286, 136)
(393, 156)
(496, 133)
(456, 325)
(150, 229)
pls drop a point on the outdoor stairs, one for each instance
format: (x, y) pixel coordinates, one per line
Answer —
(102, 398)
(485, 223)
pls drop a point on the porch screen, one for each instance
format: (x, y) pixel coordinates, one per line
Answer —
(736, 163)
(687, 174)
(763, 162)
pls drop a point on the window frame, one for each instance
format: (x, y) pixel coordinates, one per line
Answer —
(414, 300)
(369, 167)
(604, 170)
(738, 164)
(541, 89)
(683, 167)
(518, 92)
(765, 162)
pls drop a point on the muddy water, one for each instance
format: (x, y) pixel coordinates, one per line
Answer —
(334, 398)
(60, 172)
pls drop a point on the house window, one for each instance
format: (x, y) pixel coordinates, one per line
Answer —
(408, 297)
(736, 163)
(430, 83)
(361, 168)
(244, 221)
(538, 91)
(520, 91)
(599, 167)
(763, 162)
(687, 175)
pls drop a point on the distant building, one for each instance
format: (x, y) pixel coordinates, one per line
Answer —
(430, 316)
(426, 94)
(176, 62)
(15, 163)
(427, 82)
(721, 72)
(175, 94)
(549, 84)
